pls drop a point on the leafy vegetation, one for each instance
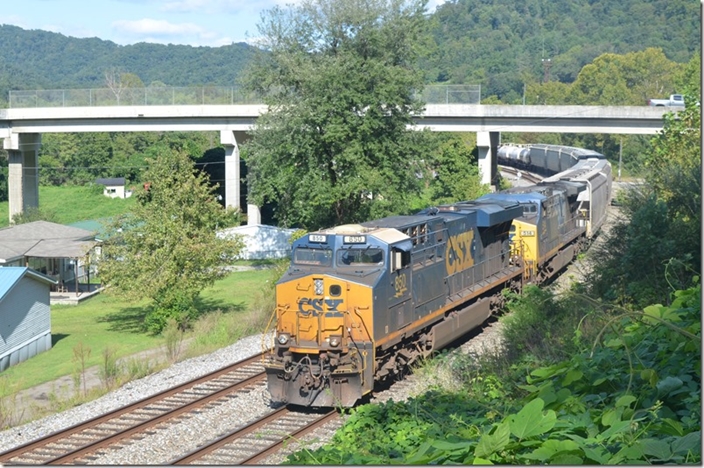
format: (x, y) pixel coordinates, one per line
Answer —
(504, 45)
(339, 79)
(630, 394)
(35, 59)
(656, 246)
(167, 248)
(500, 45)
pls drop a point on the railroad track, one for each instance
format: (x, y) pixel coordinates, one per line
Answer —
(253, 443)
(79, 444)
(525, 176)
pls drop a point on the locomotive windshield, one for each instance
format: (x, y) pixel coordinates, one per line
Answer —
(304, 256)
(366, 256)
(529, 209)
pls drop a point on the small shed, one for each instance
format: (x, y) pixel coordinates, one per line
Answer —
(262, 241)
(114, 187)
(25, 318)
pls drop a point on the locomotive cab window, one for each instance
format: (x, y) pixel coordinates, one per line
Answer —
(305, 256)
(366, 256)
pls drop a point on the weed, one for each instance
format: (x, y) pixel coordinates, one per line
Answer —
(173, 337)
(110, 370)
(81, 353)
(138, 368)
(9, 416)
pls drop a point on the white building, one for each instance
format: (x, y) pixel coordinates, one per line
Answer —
(114, 188)
(262, 241)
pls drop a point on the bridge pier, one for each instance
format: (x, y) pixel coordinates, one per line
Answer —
(487, 145)
(23, 174)
(233, 195)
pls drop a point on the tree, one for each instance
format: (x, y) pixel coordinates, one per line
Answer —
(339, 77)
(168, 249)
(118, 82)
(628, 79)
(657, 246)
(457, 174)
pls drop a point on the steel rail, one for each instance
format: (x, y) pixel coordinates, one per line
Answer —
(227, 438)
(248, 429)
(275, 447)
(24, 449)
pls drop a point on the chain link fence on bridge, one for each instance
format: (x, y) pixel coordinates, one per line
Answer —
(170, 96)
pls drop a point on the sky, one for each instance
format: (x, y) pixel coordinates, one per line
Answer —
(210, 23)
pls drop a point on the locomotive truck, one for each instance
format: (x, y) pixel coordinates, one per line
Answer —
(361, 302)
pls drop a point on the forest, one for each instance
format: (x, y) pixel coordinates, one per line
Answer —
(498, 44)
(600, 52)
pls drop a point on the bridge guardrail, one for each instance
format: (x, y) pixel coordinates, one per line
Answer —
(216, 95)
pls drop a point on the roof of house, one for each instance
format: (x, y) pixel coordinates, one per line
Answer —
(98, 226)
(43, 230)
(111, 181)
(10, 276)
(44, 239)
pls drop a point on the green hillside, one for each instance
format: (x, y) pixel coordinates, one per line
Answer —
(499, 44)
(69, 204)
(45, 60)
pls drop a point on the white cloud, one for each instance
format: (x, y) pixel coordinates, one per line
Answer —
(152, 27)
(165, 32)
(213, 6)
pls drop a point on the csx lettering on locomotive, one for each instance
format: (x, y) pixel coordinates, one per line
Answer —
(458, 253)
(314, 307)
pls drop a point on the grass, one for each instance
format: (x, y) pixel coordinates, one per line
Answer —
(105, 322)
(69, 204)
(106, 331)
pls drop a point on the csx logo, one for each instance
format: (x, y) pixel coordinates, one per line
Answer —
(458, 253)
(314, 307)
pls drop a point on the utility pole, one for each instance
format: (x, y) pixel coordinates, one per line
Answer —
(620, 148)
(546, 70)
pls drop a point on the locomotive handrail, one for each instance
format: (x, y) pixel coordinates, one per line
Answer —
(361, 320)
(273, 338)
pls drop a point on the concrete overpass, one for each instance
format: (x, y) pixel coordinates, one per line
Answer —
(21, 129)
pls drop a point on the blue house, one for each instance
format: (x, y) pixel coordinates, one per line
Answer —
(25, 319)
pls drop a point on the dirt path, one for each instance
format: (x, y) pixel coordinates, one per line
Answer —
(38, 401)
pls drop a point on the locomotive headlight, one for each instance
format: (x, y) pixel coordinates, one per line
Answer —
(335, 341)
(283, 338)
(318, 286)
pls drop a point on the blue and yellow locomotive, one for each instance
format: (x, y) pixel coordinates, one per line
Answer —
(360, 303)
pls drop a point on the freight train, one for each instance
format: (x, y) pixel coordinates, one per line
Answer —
(359, 303)
(543, 159)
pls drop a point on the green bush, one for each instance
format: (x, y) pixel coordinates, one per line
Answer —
(633, 397)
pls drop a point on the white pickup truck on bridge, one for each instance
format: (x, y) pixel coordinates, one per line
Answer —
(675, 100)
